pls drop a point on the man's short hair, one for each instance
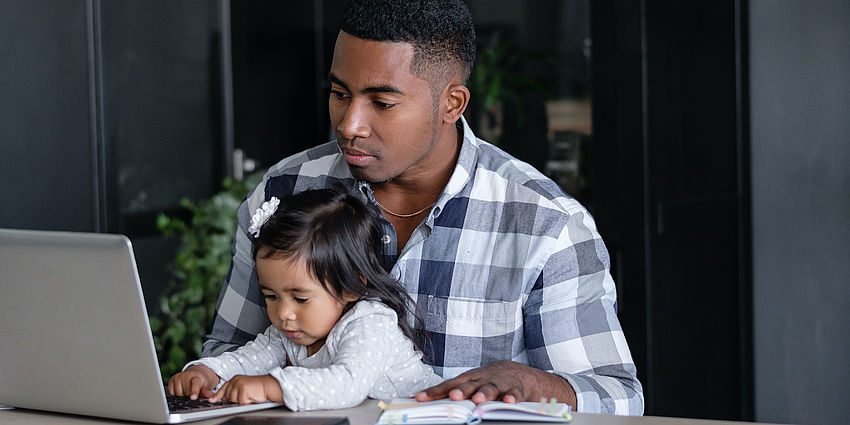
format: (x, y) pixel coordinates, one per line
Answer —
(440, 31)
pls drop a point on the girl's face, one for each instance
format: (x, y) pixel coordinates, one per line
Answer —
(297, 303)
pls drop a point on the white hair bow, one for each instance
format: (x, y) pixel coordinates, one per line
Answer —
(261, 216)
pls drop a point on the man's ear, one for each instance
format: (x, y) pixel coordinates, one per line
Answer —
(455, 100)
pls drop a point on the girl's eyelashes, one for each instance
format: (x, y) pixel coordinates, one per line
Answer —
(269, 297)
(300, 300)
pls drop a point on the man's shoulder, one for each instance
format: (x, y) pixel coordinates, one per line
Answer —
(315, 161)
(504, 178)
(319, 167)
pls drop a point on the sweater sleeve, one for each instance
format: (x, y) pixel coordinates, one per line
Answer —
(360, 354)
(258, 357)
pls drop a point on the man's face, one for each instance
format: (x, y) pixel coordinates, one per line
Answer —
(383, 116)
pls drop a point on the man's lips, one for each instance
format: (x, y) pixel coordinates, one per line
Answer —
(357, 158)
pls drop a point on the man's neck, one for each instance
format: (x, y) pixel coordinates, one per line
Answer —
(430, 182)
(411, 194)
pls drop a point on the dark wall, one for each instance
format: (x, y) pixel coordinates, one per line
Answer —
(800, 115)
(47, 141)
(161, 104)
(281, 58)
(110, 112)
(669, 174)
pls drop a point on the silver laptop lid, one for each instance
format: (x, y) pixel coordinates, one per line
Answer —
(74, 332)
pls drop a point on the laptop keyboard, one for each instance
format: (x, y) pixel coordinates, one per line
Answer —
(185, 404)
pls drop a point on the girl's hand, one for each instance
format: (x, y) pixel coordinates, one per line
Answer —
(194, 381)
(245, 389)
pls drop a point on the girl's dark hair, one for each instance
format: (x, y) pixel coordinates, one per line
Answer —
(339, 237)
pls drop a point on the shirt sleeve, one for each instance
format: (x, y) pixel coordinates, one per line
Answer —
(359, 358)
(240, 313)
(258, 357)
(571, 325)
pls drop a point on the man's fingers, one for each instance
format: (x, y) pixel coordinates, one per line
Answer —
(464, 390)
(457, 395)
(438, 391)
(486, 392)
(512, 396)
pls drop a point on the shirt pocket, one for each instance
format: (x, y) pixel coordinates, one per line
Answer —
(473, 332)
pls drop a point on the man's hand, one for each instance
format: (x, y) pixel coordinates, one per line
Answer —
(507, 381)
(194, 381)
(245, 389)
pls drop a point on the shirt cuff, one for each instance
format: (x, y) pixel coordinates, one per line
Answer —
(586, 398)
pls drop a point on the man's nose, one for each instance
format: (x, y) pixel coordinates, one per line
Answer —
(355, 121)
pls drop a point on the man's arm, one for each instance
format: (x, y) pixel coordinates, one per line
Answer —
(240, 313)
(571, 331)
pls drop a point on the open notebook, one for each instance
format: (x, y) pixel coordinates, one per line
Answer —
(75, 336)
(409, 411)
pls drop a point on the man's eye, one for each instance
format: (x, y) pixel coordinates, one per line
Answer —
(383, 105)
(338, 94)
(300, 300)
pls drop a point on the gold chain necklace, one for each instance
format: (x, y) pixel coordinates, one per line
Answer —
(403, 215)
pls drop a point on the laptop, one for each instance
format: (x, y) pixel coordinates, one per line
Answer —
(74, 332)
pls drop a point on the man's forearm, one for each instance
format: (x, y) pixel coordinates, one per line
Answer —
(550, 386)
(214, 347)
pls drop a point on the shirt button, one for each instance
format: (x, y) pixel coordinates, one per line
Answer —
(386, 239)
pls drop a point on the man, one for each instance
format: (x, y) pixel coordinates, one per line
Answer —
(509, 273)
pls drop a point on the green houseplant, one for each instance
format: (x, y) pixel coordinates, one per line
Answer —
(497, 78)
(187, 305)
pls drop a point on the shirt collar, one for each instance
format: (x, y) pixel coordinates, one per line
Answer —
(462, 174)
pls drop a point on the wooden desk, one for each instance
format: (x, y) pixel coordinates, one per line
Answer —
(365, 414)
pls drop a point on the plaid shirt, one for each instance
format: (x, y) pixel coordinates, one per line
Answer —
(505, 267)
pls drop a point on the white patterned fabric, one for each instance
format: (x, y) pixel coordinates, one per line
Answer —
(365, 355)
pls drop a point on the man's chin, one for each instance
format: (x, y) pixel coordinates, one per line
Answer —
(362, 174)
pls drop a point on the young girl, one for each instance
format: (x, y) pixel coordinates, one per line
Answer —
(340, 330)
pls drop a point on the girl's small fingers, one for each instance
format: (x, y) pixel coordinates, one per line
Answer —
(218, 394)
(195, 385)
(206, 392)
(244, 398)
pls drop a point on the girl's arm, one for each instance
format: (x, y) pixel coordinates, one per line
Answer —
(257, 357)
